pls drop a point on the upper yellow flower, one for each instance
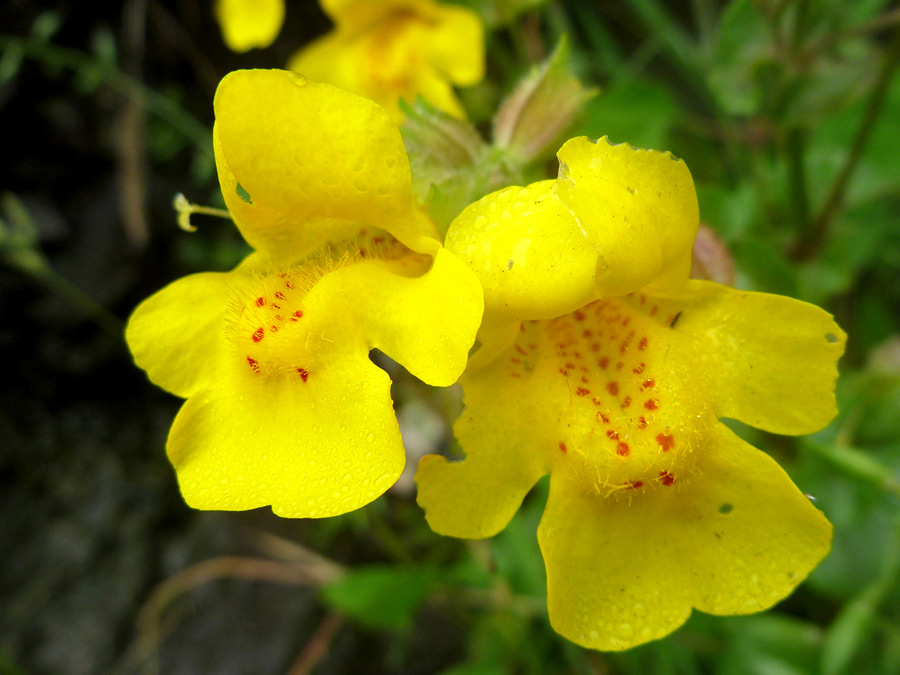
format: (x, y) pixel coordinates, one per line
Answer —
(249, 23)
(386, 50)
(606, 367)
(284, 405)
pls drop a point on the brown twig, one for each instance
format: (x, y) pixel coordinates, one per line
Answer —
(317, 647)
(151, 626)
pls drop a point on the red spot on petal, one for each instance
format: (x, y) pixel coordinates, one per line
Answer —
(623, 450)
(626, 402)
(521, 351)
(258, 334)
(260, 302)
(581, 391)
(579, 315)
(254, 364)
(647, 384)
(273, 328)
(563, 371)
(612, 388)
(633, 484)
(666, 441)
(515, 360)
(377, 240)
(583, 378)
(515, 374)
(666, 478)
(296, 316)
(563, 448)
(642, 422)
(643, 298)
(626, 321)
(613, 434)
(619, 365)
(639, 369)
(651, 404)
(587, 333)
(603, 362)
(603, 418)
(595, 347)
(304, 374)
(654, 310)
(642, 345)
(279, 295)
(289, 285)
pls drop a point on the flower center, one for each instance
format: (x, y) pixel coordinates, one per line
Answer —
(273, 330)
(628, 426)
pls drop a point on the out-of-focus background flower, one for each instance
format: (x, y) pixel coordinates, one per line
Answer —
(787, 113)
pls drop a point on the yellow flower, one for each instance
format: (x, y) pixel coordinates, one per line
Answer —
(247, 24)
(284, 405)
(391, 49)
(609, 369)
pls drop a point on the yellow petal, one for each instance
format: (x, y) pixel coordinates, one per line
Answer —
(334, 58)
(770, 360)
(527, 250)
(615, 220)
(456, 44)
(296, 157)
(638, 207)
(353, 15)
(427, 323)
(168, 331)
(310, 447)
(249, 23)
(735, 537)
(506, 438)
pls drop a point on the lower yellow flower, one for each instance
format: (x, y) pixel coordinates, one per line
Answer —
(655, 506)
(386, 50)
(284, 405)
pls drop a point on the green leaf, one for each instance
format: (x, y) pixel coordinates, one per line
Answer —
(381, 596)
(731, 212)
(741, 46)
(516, 549)
(633, 111)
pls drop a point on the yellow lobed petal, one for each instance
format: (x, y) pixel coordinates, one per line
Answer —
(176, 334)
(249, 23)
(355, 15)
(506, 435)
(299, 159)
(770, 360)
(734, 538)
(422, 314)
(529, 253)
(311, 446)
(615, 220)
(456, 44)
